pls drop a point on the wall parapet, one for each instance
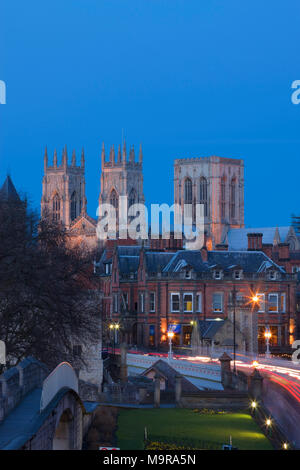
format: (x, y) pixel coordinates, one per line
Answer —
(18, 381)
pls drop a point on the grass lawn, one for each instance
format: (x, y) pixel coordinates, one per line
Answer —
(183, 423)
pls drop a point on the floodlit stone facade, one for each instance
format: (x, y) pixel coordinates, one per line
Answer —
(218, 184)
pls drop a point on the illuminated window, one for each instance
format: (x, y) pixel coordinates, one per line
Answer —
(218, 302)
(188, 302)
(273, 303)
(283, 303)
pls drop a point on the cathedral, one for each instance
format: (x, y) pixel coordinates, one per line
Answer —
(216, 183)
(63, 197)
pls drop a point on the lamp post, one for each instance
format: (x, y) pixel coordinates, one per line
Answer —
(268, 335)
(255, 301)
(114, 327)
(170, 336)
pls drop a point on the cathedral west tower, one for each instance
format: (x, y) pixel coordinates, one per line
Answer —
(121, 176)
(63, 197)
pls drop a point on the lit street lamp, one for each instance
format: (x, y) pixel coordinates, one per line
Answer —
(114, 327)
(170, 336)
(268, 335)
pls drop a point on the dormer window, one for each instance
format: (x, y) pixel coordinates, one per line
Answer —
(108, 268)
(272, 275)
(218, 274)
(237, 274)
(188, 274)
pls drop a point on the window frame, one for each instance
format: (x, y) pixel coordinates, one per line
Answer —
(269, 295)
(192, 309)
(263, 302)
(283, 304)
(142, 302)
(199, 296)
(218, 278)
(173, 294)
(152, 310)
(222, 302)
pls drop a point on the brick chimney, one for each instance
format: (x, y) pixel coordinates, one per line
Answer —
(222, 247)
(204, 253)
(255, 241)
(267, 248)
(283, 251)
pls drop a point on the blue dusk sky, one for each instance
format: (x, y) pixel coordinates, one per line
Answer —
(187, 78)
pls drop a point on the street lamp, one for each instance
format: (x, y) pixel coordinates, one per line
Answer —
(253, 406)
(114, 327)
(268, 335)
(254, 299)
(170, 336)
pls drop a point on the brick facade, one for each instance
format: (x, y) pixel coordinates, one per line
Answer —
(146, 291)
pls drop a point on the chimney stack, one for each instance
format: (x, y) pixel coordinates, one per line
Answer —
(255, 241)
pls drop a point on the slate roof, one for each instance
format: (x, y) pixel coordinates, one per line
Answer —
(237, 237)
(8, 191)
(162, 368)
(167, 262)
(248, 261)
(208, 328)
(156, 261)
(129, 264)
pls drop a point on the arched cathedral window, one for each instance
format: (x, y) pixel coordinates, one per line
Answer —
(233, 198)
(56, 208)
(73, 206)
(223, 196)
(188, 191)
(203, 195)
(114, 201)
(132, 198)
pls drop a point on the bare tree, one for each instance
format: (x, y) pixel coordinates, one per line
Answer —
(49, 297)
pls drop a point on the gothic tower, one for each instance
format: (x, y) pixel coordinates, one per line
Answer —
(218, 184)
(121, 177)
(63, 196)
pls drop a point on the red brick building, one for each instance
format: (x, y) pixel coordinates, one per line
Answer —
(146, 291)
